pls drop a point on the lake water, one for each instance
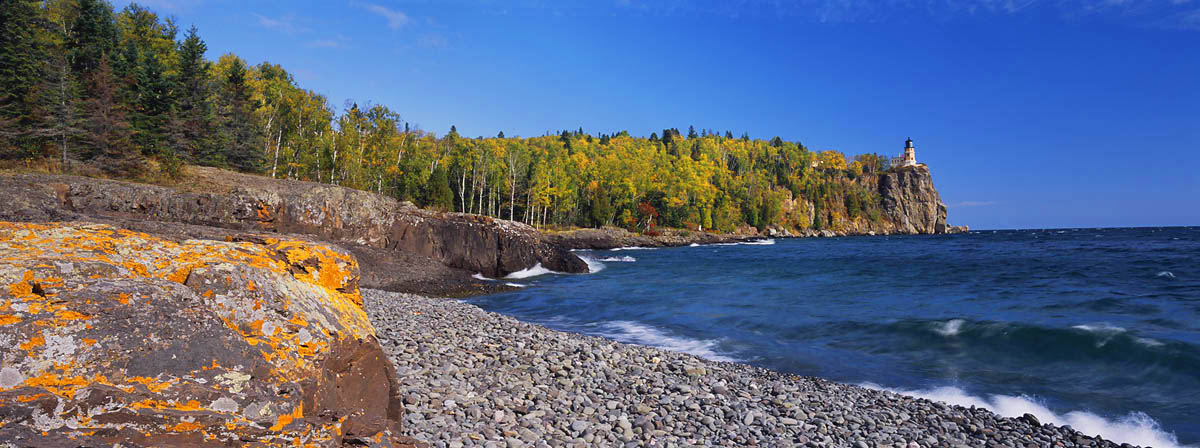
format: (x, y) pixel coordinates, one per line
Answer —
(1095, 328)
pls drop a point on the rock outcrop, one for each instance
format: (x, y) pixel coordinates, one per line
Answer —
(252, 203)
(910, 201)
(611, 237)
(110, 336)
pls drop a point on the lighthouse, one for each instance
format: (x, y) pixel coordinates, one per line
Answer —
(908, 158)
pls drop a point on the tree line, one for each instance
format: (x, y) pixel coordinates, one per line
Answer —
(87, 89)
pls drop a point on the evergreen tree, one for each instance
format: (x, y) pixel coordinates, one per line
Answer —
(241, 139)
(691, 132)
(196, 120)
(21, 69)
(58, 108)
(437, 191)
(153, 100)
(93, 35)
(108, 134)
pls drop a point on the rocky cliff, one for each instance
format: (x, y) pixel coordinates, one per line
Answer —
(218, 198)
(113, 337)
(910, 202)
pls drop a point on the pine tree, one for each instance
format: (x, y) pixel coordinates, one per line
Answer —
(241, 138)
(196, 121)
(93, 35)
(108, 135)
(437, 191)
(58, 107)
(21, 69)
(153, 100)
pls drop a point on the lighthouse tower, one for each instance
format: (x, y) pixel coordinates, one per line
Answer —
(909, 158)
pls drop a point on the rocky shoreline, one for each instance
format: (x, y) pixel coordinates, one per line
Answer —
(474, 378)
(612, 238)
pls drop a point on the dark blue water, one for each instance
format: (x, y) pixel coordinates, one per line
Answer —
(1096, 328)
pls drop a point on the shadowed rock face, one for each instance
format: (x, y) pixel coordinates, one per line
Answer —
(243, 202)
(113, 336)
(911, 202)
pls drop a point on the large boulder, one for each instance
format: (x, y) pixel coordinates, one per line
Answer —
(217, 198)
(110, 336)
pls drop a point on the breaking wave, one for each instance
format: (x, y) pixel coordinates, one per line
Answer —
(593, 264)
(534, 271)
(1136, 427)
(950, 327)
(640, 334)
(625, 259)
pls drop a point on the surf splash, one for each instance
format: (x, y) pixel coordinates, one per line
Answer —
(1136, 428)
(625, 259)
(636, 333)
(534, 271)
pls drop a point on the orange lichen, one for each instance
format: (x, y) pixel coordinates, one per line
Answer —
(32, 343)
(28, 398)
(89, 341)
(70, 315)
(63, 386)
(22, 288)
(153, 384)
(186, 427)
(286, 419)
(150, 403)
(8, 319)
(123, 298)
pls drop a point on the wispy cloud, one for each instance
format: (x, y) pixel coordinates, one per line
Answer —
(287, 24)
(971, 204)
(395, 19)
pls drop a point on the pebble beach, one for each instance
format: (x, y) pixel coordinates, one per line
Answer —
(474, 378)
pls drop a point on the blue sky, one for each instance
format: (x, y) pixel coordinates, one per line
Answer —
(1053, 113)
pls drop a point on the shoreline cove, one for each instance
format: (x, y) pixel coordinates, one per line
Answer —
(484, 376)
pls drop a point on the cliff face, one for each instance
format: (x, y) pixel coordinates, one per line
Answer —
(110, 336)
(910, 202)
(251, 203)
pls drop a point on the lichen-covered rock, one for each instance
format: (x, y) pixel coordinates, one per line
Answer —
(113, 336)
(230, 200)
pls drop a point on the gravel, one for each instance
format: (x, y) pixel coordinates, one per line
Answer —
(475, 378)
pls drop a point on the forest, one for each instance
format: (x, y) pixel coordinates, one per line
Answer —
(88, 90)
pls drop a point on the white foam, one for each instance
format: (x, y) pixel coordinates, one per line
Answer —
(593, 264)
(632, 248)
(1166, 274)
(1136, 428)
(625, 259)
(950, 327)
(1100, 328)
(1149, 342)
(636, 333)
(515, 285)
(1105, 331)
(534, 271)
(766, 242)
(694, 245)
(479, 275)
